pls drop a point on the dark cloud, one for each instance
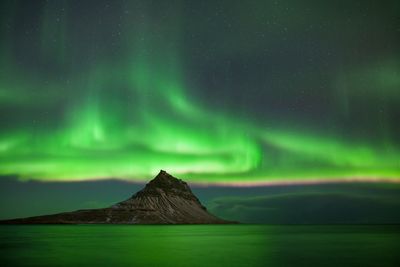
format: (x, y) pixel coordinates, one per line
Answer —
(311, 208)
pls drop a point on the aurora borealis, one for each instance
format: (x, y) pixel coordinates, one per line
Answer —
(268, 92)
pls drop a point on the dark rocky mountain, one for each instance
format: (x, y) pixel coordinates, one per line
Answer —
(164, 200)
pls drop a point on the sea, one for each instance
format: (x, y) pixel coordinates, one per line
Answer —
(200, 245)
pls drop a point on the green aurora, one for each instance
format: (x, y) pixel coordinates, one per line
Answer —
(117, 98)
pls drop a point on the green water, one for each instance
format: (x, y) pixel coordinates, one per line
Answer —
(200, 245)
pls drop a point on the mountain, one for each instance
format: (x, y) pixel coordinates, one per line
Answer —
(164, 200)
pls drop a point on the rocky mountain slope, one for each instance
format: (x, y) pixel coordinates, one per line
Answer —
(164, 200)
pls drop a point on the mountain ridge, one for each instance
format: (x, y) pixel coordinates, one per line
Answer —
(164, 200)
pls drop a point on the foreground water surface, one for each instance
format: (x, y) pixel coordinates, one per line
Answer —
(199, 245)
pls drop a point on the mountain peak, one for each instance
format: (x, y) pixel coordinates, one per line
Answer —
(164, 176)
(163, 173)
(165, 183)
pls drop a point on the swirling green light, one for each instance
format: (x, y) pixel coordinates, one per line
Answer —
(128, 117)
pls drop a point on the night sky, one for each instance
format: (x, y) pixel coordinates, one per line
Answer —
(274, 111)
